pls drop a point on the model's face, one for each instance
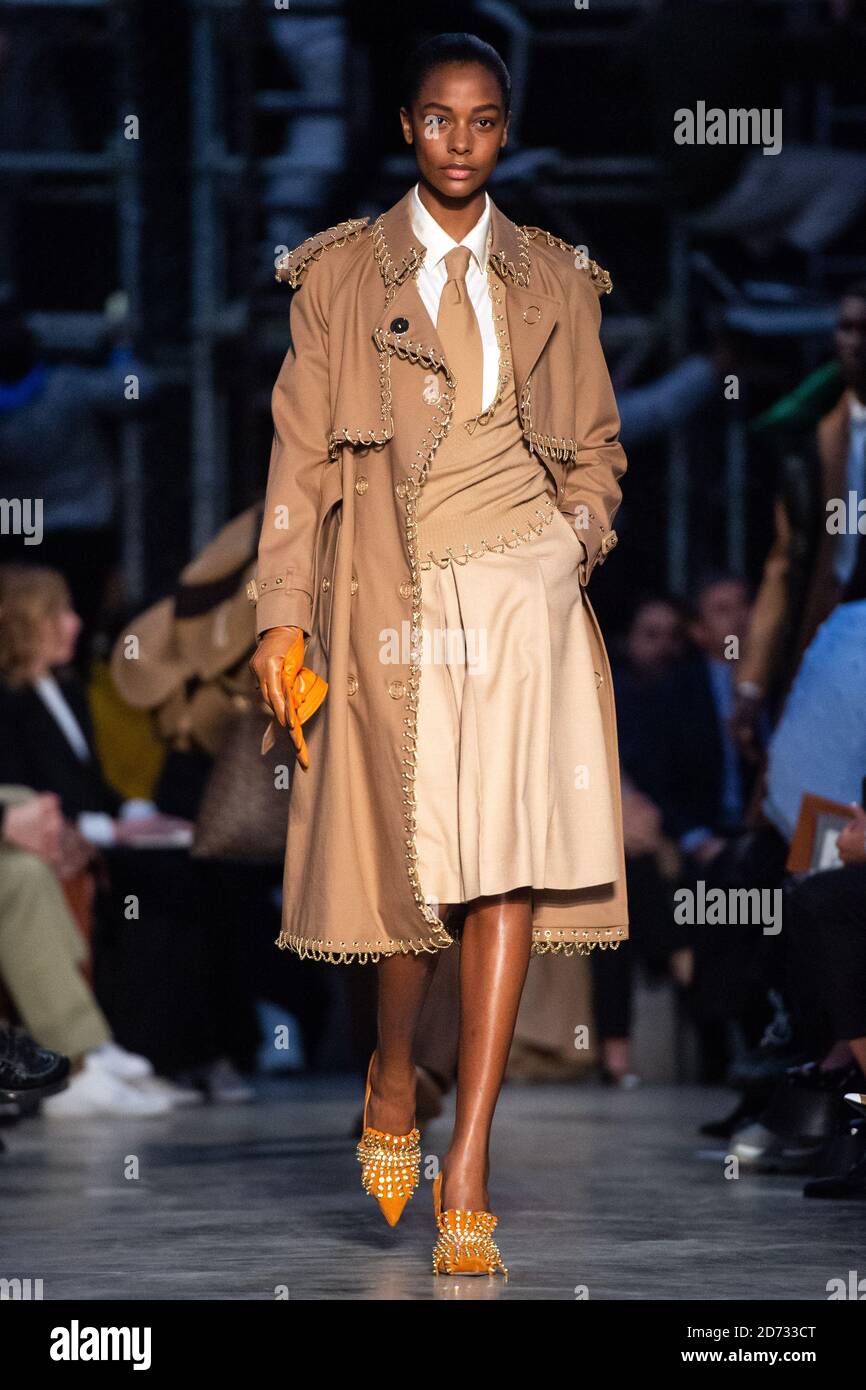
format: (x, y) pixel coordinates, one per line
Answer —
(457, 126)
(851, 341)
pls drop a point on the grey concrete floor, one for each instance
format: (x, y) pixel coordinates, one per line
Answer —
(608, 1192)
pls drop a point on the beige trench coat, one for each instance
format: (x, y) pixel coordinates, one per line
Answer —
(360, 404)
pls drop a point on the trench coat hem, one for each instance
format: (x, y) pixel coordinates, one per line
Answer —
(603, 938)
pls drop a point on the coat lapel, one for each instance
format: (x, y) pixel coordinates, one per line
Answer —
(532, 315)
(532, 318)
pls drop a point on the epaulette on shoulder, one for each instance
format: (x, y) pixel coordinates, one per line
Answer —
(293, 265)
(600, 278)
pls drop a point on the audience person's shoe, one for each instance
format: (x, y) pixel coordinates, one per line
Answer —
(29, 1070)
(178, 1096)
(127, 1066)
(748, 1108)
(761, 1148)
(94, 1092)
(805, 1114)
(224, 1084)
(858, 1100)
(851, 1184)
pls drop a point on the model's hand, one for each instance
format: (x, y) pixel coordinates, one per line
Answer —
(275, 675)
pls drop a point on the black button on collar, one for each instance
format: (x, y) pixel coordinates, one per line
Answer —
(399, 325)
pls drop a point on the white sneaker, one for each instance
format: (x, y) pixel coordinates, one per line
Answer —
(176, 1095)
(128, 1066)
(94, 1091)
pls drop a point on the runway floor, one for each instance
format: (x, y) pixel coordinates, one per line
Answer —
(610, 1192)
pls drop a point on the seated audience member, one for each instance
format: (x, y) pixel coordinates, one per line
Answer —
(825, 940)
(48, 745)
(47, 739)
(704, 785)
(806, 1125)
(652, 643)
(41, 954)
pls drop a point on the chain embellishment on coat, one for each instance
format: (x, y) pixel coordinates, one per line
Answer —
(360, 952)
(597, 274)
(520, 275)
(292, 266)
(415, 352)
(552, 446)
(498, 547)
(393, 276)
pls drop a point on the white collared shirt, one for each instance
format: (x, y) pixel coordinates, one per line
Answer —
(49, 692)
(433, 275)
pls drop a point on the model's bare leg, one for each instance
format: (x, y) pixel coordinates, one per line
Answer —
(403, 985)
(494, 957)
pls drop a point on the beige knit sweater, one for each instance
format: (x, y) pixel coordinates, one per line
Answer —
(483, 489)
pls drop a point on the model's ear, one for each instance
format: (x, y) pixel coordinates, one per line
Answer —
(406, 123)
(504, 141)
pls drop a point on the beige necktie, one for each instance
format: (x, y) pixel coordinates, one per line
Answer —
(458, 329)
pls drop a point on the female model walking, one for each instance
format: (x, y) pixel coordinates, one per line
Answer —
(443, 481)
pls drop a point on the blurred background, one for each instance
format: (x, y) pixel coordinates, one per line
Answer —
(156, 157)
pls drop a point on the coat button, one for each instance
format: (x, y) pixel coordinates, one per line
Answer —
(531, 314)
(406, 589)
(353, 685)
(326, 584)
(354, 585)
(399, 325)
(396, 690)
(361, 485)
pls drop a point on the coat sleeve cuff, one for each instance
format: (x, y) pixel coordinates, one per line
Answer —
(596, 540)
(281, 607)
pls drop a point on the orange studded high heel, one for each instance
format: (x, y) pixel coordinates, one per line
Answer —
(391, 1163)
(465, 1244)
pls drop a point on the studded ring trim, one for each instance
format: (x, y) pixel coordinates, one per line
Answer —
(498, 546)
(293, 265)
(597, 274)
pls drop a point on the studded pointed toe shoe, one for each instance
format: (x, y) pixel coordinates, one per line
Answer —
(390, 1163)
(465, 1243)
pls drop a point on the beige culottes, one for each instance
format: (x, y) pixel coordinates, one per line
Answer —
(511, 784)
